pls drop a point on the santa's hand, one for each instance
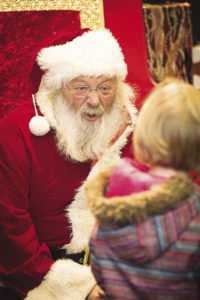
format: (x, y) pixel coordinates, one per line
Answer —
(96, 293)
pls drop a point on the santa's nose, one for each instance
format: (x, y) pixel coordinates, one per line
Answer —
(93, 98)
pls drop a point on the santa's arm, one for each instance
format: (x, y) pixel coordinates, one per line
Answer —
(26, 264)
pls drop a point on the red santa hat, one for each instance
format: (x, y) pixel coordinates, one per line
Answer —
(93, 53)
(50, 42)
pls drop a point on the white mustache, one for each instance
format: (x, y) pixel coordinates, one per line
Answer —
(95, 111)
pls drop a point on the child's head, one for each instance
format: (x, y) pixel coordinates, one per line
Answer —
(168, 128)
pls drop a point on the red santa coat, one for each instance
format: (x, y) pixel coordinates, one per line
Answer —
(37, 184)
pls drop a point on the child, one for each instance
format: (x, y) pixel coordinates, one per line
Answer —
(147, 241)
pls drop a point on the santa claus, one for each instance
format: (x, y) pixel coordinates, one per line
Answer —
(79, 120)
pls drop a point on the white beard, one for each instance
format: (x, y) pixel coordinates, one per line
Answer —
(79, 139)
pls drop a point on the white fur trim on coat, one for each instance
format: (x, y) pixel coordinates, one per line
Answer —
(80, 216)
(66, 280)
(94, 53)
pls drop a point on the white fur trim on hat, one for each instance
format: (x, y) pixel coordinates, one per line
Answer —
(94, 53)
(66, 280)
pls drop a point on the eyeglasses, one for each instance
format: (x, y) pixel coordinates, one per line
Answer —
(103, 90)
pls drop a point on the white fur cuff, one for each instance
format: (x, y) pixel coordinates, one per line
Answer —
(66, 280)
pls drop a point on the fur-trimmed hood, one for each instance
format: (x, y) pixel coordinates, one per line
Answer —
(145, 223)
(148, 241)
(137, 207)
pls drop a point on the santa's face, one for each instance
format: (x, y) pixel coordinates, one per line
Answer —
(90, 97)
(85, 126)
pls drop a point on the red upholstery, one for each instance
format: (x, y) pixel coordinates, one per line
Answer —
(21, 35)
(125, 20)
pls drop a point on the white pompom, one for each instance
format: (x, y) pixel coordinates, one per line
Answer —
(39, 126)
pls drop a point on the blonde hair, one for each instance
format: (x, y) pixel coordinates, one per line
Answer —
(167, 132)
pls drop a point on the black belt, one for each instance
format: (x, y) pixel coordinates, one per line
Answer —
(61, 253)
